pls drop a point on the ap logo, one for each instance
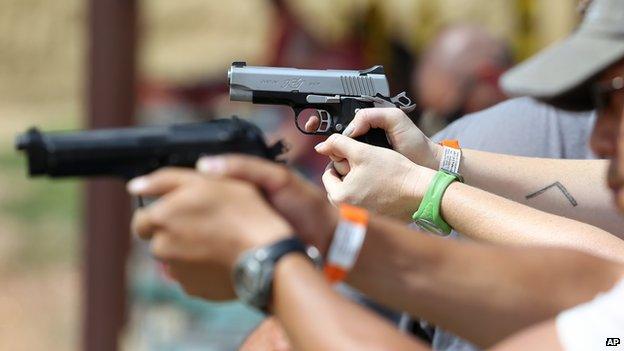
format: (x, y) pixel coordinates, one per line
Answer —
(613, 341)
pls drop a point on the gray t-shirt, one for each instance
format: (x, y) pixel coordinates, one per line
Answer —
(521, 127)
(524, 127)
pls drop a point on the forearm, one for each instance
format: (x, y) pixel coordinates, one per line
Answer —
(485, 216)
(572, 188)
(482, 293)
(317, 318)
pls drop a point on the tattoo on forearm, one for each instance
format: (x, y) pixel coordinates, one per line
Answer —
(559, 186)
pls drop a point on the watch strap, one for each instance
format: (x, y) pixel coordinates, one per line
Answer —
(280, 248)
(429, 210)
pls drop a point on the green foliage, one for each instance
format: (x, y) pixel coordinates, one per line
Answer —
(44, 214)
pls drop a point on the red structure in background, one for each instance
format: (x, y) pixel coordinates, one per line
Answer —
(111, 100)
(294, 46)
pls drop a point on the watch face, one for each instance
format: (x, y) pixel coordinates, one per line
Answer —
(248, 279)
(429, 226)
(253, 273)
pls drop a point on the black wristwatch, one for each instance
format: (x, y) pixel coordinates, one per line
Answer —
(253, 273)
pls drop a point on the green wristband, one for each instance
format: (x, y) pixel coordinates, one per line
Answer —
(428, 215)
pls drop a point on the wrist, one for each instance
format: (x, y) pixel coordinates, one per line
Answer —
(278, 230)
(327, 230)
(289, 260)
(289, 266)
(418, 180)
(436, 152)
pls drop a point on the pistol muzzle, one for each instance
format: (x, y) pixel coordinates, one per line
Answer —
(32, 143)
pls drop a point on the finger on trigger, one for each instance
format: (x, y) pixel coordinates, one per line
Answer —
(312, 124)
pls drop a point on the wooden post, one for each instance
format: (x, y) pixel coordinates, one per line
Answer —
(111, 99)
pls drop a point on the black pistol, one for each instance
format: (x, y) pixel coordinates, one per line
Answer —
(129, 152)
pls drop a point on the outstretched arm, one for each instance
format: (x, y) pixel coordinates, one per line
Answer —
(315, 317)
(482, 293)
(571, 188)
(383, 180)
(485, 216)
(540, 337)
(574, 189)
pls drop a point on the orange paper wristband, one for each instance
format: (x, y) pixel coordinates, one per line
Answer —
(454, 143)
(354, 214)
(347, 242)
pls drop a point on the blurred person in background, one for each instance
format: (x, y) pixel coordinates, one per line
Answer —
(458, 74)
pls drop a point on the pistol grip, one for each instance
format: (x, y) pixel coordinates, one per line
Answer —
(376, 137)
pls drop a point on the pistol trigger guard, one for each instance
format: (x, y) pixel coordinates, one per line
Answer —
(316, 132)
(297, 113)
(301, 129)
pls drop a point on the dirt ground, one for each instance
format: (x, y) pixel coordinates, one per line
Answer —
(39, 310)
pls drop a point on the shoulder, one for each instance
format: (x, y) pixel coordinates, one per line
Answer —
(525, 127)
(513, 113)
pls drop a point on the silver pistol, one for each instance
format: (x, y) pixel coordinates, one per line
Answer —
(334, 95)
